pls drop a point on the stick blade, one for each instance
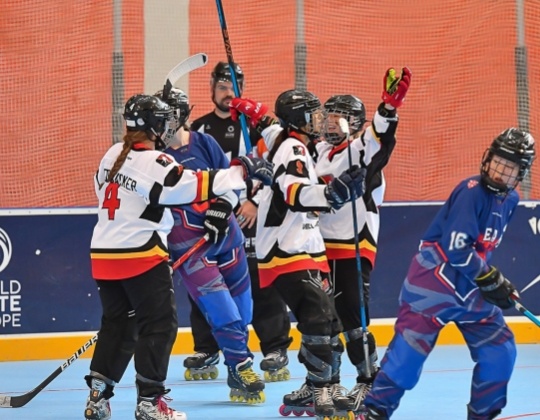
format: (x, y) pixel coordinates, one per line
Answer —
(184, 67)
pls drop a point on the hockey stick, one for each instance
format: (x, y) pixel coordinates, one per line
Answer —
(191, 251)
(228, 51)
(524, 310)
(344, 125)
(21, 400)
(181, 69)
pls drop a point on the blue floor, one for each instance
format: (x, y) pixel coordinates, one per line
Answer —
(441, 394)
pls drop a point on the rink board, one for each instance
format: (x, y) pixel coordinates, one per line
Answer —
(49, 301)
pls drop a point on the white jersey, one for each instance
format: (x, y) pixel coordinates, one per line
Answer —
(288, 236)
(371, 150)
(130, 236)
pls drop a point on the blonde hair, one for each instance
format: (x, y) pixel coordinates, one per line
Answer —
(130, 138)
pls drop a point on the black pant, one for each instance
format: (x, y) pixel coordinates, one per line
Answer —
(347, 302)
(139, 317)
(309, 295)
(270, 316)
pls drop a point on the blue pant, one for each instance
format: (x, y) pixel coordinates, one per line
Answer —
(433, 295)
(221, 288)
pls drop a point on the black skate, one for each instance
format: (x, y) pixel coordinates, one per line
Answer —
(298, 402)
(373, 414)
(246, 385)
(274, 366)
(97, 407)
(343, 405)
(201, 366)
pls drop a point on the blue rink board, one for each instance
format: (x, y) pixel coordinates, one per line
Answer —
(441, 394)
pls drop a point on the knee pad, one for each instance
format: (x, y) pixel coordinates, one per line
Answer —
(316, 354)
(355, 347)
(219, 308)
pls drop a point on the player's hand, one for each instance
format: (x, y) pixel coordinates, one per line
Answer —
(255, 168)
(496, 289)
(350, 184)
(247, 214)
(216, 220)
(255, 111)
(395, 88)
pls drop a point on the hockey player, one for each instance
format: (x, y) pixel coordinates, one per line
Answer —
(371, 149)
(135, 183)
(290, 248)
(270, 315)
(216, 276)
(450, 279)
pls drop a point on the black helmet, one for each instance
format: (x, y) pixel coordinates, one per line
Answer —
(147, 113)
(351, 109)
(296, 109)
(514, 145)
(222, 72)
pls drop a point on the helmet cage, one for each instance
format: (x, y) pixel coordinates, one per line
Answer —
(513, 145)
(179, 102)
(348, 107)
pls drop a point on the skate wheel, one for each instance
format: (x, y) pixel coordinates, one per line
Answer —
(299, 413)
(205, 376)
(214, 375)
(187, 376)
(310, 413)
(284, 410)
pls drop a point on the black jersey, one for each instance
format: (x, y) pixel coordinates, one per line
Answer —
(227, 132)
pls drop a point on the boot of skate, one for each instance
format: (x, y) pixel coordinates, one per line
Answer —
(156, 408)
(97, 404)
(298, 402)
(201, 366)
(246, 385)
(274, 366)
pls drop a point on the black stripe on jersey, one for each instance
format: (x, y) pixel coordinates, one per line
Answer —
(278, 208)
(154, 240)
(153, 213)
(276, 252)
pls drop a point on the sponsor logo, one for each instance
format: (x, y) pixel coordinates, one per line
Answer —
(164, 160)
(6, 249)
(534, 223)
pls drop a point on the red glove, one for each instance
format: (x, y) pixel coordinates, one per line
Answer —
(395, 89)
(251, 109)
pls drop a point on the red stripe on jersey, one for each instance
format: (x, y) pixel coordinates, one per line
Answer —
(350, 253)
(269, 273)
(123, 268)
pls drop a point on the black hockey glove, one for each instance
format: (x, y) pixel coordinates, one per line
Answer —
(340, 190)
(216, 221)
(496, 289)
(255, 168)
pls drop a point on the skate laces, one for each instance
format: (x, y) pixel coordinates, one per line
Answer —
(359, 393)
(162, 406)
(322, 395)
(337, 391)
(304, 390)
(248, 375)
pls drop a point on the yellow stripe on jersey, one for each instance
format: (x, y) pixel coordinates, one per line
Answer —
(364, 244)
(156, 250)
(277, 261)
(292, 194)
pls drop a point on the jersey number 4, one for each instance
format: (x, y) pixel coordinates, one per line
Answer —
(111, 202)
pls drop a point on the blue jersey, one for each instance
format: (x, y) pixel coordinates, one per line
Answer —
(470, 225)
(201, 153)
